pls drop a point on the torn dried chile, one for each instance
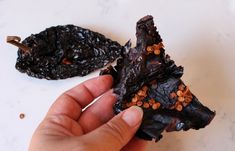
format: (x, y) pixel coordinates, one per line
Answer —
(65, 51)
(147, 65)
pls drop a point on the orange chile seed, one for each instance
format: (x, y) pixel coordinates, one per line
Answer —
(156, 106)
(181, 99)
(66, 61)
(149, 48)
(157, 52)
(146, 105)
(179, 107)
(179, 93)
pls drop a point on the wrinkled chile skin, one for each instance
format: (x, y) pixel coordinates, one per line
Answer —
(135, 68)
(86, 51)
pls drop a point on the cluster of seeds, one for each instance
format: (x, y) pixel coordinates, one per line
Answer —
(139, 100)
(183, 96)
(155, 48)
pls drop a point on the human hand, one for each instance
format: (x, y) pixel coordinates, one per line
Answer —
(68, 127)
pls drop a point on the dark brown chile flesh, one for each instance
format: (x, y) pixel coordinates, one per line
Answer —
(145, 76)
(66, 51)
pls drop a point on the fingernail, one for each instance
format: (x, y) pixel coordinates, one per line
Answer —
(133, 116)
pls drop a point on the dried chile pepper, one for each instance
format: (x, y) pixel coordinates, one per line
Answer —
(145, 76)
(64, 51)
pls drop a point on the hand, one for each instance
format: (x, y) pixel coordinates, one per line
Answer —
(67, 127)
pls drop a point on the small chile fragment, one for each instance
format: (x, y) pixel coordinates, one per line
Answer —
(167, 102)
(64, 51)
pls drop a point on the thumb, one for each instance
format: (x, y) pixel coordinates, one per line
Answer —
(115, 134)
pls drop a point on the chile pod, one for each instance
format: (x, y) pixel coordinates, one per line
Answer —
(145, 76)
(64, 51)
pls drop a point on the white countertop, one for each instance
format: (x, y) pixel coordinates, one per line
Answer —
(200, 35)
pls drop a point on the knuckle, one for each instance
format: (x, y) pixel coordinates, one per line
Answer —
(118, 132)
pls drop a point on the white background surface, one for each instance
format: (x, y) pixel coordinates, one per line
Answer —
(200, 35)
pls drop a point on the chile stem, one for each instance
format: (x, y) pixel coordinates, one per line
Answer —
(15, 40)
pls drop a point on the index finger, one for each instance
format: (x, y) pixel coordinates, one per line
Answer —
(74, 100)
(86, 92)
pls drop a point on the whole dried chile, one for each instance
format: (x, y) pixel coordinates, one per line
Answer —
(145, 76)
(64, 51)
